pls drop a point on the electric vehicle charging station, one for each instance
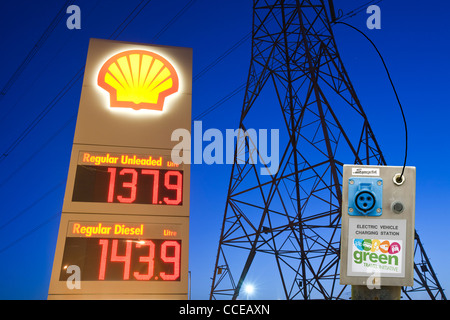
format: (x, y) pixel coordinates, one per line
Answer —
(377, 233)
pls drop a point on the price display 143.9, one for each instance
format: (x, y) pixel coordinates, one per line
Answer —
(128, 185)
(123, 259)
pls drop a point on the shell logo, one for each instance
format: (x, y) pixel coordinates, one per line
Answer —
(138, 79)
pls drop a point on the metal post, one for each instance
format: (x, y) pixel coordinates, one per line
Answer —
(383, 293)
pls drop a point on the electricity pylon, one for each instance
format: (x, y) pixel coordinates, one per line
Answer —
(290, 218)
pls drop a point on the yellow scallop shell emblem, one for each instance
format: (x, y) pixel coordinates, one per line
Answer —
(138, 79)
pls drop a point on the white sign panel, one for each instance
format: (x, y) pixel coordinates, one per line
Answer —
(376, 246)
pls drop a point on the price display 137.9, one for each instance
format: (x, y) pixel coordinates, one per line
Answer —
(128, 185)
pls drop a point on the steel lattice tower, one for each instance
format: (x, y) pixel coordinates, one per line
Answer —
(290, 219)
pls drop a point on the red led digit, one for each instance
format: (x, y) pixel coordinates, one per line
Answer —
(175, 259)
(148, 259)
(155, 174)
(112, 182)
(178, 186)
(126, 259)
(103, 256)
(131, 185)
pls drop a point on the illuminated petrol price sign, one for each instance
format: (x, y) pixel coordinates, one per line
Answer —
(127, 179)
(124, 230)
(123, 252)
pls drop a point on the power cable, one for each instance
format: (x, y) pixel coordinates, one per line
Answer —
(56, 99)
(55, 187)
(114, 36)
(399, 179)
(222, 56)
(40, 149)
(243, 40)
(355, 11)
(129, 19)
(220, 102)
(78, 75)
(136, 11)
(30, 232)
(34, 50)
(35, 80)
(43, 113)
(172, 21)
(66, 88)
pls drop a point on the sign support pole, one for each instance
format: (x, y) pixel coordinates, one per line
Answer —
(383, 293)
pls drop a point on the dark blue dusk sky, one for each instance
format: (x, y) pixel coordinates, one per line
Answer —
(414, 39)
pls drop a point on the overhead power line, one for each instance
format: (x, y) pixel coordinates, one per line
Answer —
(355, 11)
(41, 115)
(136, 11)
(54, 188)
(133, 14)
(78, 75)
(393, 88)
(222, 56)
(215, 106)
(29, 233)
(66, 88)
(34, 50)
(220, 102)
(172, 21)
